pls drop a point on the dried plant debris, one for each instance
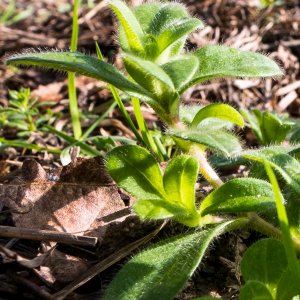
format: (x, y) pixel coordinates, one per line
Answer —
(68, 199)
(9, 256)
(60, 268)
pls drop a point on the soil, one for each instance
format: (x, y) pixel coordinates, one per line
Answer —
(245, 24)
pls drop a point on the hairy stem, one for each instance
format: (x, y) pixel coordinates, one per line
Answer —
(260, 225)
(205, 168)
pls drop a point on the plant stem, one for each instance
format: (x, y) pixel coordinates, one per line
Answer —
(71, 77)
(205, 168)
(260, 225)
(197, 151)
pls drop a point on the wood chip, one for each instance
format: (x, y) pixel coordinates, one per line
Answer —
(286, 101)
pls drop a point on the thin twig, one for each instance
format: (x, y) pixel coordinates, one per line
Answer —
(47, 236)
(28, 285)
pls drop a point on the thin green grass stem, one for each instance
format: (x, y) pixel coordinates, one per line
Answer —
(148, 140)
(98, 120)
(71, 77)
(284, 225)
(161, 148)
(84, 147)
(27, 146)
(120, 103)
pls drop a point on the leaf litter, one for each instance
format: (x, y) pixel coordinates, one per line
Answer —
(239, 23)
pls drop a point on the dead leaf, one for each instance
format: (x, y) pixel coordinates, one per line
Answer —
(66, 199)
(61, 268)
(10, 256)
(48, 93)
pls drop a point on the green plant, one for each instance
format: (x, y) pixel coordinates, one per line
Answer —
(11, 14)
(152, 37)
(24, 109)
(269, 127)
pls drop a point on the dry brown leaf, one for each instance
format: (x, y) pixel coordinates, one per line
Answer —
(67, 199)
(48, 93)
(10, 256)
(61, 268)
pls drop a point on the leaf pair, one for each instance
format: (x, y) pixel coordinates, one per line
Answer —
(206, 128)
(155, 31)
(160, 197)
(265, 270)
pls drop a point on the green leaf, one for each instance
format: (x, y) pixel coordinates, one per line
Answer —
(83, 147)
(136, 170)
(220, 111)
(287, 166)
(181, 70)
(133, 31)
(176, 30)
(104, 143)
(150, 76)
(161, 209)
(221, 61)
(293, 212)
(18, 124)
(84, 65)
(45, 103)
(216, 140)
(254, 125)
(295, 134)
(274, 130)
(255, 290)
(221, 161)
(239, 195)
(287, 286)
(179, 181)
(23, 144)
(168, 14)
(160, 271)
(265, 261)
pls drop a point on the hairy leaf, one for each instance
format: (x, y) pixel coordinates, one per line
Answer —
(221, 61)
(81, 64)
(220, 111)
(160, 271)
(287, 286)
(136, 170)
(158, 209)
(265, 261)
(176, 30)
(216, 140)
(255, 290)
(275, 130)
(179, 183)
(150, 76)
(254, 124)
(285, 165)
(132, 29)
(181, 70)
(239, 195)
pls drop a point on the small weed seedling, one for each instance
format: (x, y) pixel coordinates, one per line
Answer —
(152, 37)
(22, 110)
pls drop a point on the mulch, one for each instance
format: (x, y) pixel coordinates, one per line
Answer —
(244, 24)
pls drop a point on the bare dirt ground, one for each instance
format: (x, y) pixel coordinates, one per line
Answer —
(244, 24)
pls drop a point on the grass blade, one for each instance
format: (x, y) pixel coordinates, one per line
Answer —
(27, 146)
(284, 225)
(120, 103)
(84, 147)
